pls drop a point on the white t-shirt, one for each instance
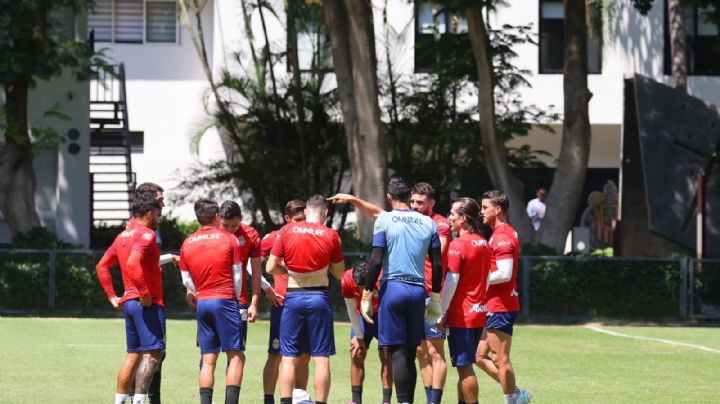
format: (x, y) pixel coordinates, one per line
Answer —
(536, 212)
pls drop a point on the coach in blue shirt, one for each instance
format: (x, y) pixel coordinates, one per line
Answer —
(402, 239)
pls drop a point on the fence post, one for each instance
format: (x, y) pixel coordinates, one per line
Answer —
(51, 281)
(526, 287)
(691, 288)
(683, 286)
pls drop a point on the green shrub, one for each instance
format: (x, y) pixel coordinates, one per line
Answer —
(604, 288)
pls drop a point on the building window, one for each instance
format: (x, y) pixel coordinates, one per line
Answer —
(702, 41)
(552, 40)
(134, 21)
(436, 30)
(128, 20)
(312, 41)
(161, 21)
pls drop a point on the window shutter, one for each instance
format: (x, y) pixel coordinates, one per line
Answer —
(100, 20)
(129, 21)
(161, 21)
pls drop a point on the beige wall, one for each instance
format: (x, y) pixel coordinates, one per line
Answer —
(604, 151)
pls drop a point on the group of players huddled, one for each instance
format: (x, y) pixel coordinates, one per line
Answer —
(420, 287)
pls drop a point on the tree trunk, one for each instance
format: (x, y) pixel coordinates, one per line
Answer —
(352, 38)
(229, 120)
(493, 147)
(678, 57)
(17, 177)
(294, 62)
(570, 172)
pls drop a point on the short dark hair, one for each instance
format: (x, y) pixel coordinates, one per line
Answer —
(230, 210)
(318, 202)
(360, 273)
(497, 198)
(149, 189)
(423, 188)
(398, 189)
(143, 204)
(205, 210)
(295, 207)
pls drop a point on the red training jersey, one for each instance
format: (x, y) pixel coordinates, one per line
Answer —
(248, 239)
(143, 282)
(443, 227)
(349, 290)
(279, 281)
(469, 256)
(307, 247)
(504, 243)
(209, 254)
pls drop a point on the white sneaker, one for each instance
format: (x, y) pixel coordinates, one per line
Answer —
(523, 397)
(301, 397)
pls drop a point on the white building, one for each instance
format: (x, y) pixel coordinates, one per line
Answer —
(166, 82)
(63, 186)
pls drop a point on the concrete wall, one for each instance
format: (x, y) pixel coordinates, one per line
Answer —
(62, 196)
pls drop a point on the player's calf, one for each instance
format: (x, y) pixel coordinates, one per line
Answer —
(144, 375)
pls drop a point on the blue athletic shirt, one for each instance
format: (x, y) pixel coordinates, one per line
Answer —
(407, 237)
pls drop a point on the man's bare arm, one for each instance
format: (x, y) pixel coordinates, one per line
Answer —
(337, 269)
(366, 208)
(273, 266)
(444, 243)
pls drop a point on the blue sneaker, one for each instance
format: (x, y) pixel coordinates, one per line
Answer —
(523, 396)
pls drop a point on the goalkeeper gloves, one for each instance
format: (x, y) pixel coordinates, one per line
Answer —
(366, 308)
(433, 311)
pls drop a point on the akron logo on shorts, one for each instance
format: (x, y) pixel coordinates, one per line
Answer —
(276, 343)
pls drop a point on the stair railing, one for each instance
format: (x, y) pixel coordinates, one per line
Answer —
(126, 124)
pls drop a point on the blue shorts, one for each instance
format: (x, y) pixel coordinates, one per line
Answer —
(221, 325)
(144, 326)
(274, 337)
(431, 331)
(401, 315)
(463, 344)
(501, 321)
(370, 331)
(307, 322)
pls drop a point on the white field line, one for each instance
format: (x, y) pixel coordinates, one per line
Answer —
(664, 341)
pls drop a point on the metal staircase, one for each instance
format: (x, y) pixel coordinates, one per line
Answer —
(112, 180)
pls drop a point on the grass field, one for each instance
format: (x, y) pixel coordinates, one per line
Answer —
(76, 360)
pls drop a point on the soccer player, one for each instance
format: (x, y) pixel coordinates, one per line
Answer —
(501, 298)
(137, 253)
(463, 293)
(211, 264)
(155, 191)
(249, 241)
(402, 239)
(310, 249)
(431, 352)
(362, 333)
(294, 213)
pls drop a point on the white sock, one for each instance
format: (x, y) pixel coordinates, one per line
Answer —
(510, 398)
(120, 398)
(139, 398)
